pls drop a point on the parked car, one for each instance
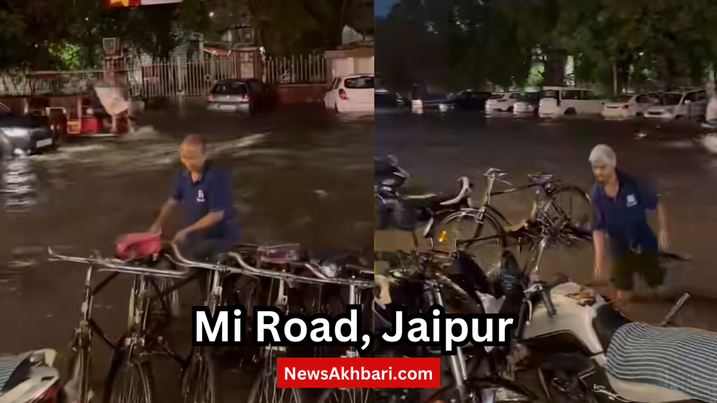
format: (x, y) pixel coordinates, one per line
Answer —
(469, 100)
(527, 104)
(559, 101)
(502, 102)
(28, 134)
(389, 102)
(677, 105)
(247, 96)
(354, 93)
(711, 113)
(630, 105)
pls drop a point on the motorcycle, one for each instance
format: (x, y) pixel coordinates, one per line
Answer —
(585, 350)
(407, 212)
(30, 378)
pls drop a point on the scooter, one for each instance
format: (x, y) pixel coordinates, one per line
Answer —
(30, 378)
(585, 350)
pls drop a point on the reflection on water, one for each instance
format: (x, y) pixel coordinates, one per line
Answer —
(20, 185)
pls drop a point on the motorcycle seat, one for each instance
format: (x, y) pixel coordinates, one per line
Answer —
(677, 359)
(435, 201)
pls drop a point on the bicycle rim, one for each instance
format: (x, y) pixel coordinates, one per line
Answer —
(265, 390)
(488, 235)
(557, 209)
(129, 381)
(354, 395)
(199, 380)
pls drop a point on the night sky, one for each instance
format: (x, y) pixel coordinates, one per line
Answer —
(382, 7)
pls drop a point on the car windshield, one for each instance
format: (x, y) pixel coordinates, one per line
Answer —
(363, 82)
(229, 88)
(529, 97)
(497, 96)
(670, 99)
(549, 94)
(623, 98)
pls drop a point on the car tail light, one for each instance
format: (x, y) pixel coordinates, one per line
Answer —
(245, 97)
(625, 106)
(212, 98)
(51, 395)
(342, 95)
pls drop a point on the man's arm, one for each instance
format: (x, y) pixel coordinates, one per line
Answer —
(599, 225)
(167, 208)
(651, 201)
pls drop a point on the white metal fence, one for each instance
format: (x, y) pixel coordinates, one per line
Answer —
(304, 69)
(177, 77)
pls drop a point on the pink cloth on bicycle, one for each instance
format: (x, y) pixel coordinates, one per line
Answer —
(138, 245)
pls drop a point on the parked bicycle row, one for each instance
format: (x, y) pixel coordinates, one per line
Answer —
(284, 276)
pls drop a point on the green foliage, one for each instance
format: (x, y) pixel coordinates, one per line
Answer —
(497, 42)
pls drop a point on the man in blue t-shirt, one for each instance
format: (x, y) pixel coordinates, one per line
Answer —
(620, 205)
(206, 193)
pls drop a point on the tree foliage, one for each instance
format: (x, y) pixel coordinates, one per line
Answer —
(636, 42)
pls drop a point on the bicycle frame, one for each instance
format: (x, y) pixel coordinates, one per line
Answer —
(82, 340)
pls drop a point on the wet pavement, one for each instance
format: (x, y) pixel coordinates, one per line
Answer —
(436, 150)
(300, 176)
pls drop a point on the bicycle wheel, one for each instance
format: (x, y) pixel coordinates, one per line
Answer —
(353, 395)
(129, 380)
(265, 390)
(199, 380)
(480, 234)
(568, 204)
(77, 388)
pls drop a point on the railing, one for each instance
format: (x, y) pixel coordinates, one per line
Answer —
(178, 77)
(304, 69)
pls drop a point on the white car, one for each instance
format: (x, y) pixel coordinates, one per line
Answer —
(630, 106)
(354, 93)
(502, 102)
(677, 105)
(559, 101)
(526, 104)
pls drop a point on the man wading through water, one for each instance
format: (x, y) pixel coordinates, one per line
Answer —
(206, 192)
(620, 206)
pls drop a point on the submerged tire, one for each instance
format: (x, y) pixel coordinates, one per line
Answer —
(127, 367)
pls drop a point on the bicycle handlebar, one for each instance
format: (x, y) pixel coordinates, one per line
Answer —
(246, 268)
(116, 265)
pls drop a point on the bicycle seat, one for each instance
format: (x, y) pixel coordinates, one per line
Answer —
(435, 201)
(494, 173)
(540, 178)
(280, 254)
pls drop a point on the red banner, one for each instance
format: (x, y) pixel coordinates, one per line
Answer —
(358, 372)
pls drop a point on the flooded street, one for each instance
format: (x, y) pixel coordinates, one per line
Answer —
(300, 176)
(436, 150)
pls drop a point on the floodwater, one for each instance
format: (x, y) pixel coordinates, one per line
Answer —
(436, 150)
(300, 176)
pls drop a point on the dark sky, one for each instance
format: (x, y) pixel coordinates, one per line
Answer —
(382, 7)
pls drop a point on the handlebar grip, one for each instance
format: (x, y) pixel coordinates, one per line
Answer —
(548, 301)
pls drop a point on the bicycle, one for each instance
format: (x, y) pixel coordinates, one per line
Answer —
(487, 218)
(264, 389)
(130, 352)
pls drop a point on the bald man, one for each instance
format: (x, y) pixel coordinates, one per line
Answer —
(620, 206)
(206, 193)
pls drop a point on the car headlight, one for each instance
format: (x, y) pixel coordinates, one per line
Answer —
(16, 132)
